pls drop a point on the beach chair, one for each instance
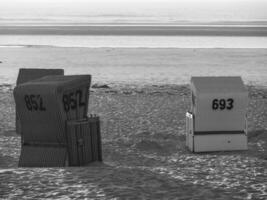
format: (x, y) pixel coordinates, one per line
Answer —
(29, 74)
(53, 113)
(217, 118)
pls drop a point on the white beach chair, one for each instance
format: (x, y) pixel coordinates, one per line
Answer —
(217, 119)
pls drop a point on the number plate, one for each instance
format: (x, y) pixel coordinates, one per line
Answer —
(223, 104)
(73, 100)
(34, 102)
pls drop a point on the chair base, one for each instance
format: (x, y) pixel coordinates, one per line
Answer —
(215, 140)
(83, 146)
(42, 156)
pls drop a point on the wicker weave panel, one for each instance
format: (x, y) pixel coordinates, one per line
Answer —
(48, 126)
(29, 74)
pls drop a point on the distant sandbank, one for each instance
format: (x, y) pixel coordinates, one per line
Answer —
(136, 30)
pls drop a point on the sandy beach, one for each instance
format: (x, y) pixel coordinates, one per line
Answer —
(143, 127)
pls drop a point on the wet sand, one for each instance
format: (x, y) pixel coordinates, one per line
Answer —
(143, 132)
(138, 66)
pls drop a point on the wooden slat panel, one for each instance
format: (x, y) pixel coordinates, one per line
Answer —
(84, 141)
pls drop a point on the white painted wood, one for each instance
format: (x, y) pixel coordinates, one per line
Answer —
(205, 90)
(189, 130)
(211, 141)
(220, 142)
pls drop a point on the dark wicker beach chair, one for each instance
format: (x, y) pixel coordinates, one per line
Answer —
(54, 124)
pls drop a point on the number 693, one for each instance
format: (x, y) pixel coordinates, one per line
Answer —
(223, 104)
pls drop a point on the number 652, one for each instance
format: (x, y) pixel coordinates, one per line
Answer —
(223, 104)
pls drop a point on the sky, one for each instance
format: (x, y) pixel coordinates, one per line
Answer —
(228, 10)
(2, 2)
